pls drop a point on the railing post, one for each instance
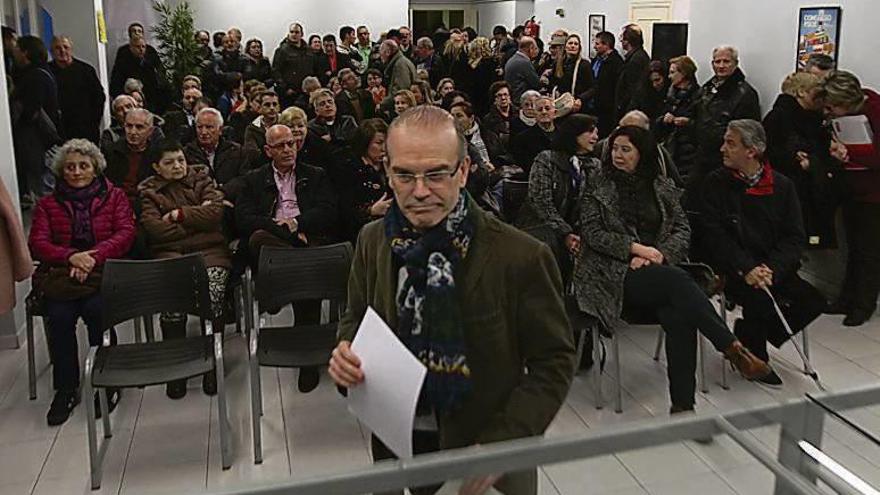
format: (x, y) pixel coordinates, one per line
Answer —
(806, 424)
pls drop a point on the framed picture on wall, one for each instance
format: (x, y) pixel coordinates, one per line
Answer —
(818, 32)
(595, 25)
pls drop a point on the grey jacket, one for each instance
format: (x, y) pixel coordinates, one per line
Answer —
(604, 261)
(400, 73)
(544, 214)
(521, 75)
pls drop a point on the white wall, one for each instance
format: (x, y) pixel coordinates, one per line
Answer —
(268, 20)
(77, 21)
(576, 12)
(491, 14)
(766, 37)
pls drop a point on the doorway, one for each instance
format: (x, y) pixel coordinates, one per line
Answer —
(647, 12)
(427, 18)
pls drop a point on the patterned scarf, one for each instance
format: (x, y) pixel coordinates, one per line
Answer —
(427, 307)
(759, 184)
(80, 201)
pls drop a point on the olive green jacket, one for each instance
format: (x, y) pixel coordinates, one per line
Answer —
(510, 294)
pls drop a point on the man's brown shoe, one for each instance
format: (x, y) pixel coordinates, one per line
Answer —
(748, 365)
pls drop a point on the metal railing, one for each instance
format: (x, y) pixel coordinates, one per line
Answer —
(796, 466)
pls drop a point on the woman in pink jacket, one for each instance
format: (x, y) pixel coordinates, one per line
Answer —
(75, 230)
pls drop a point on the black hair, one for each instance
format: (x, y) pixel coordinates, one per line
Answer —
(471, 32)
(166, 145)
(465, 106)
(518, 31)
(34, 49)
(446, 104)
(644, 141)
(8, 33)
(374, 72)
(568, 130)
(133, 24)
(217, 38)
(313, 37)
(393, 33)
(345, 31)
(365, 133)
(329, 37)
(499, 29)
(497, 86)
(607, 38)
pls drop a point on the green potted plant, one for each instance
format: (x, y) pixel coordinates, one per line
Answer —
(178, 49)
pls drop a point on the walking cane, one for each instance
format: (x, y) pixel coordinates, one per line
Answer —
(808, 366)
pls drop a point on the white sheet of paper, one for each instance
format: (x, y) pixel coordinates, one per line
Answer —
(853, 129)
(393, 377)
(452, 487)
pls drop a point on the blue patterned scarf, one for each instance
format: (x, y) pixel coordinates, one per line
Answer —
(430, 322)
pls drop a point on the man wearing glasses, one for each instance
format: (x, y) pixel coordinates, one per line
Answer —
(475, 300)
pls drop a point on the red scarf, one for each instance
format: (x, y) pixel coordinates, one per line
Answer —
(764, 186)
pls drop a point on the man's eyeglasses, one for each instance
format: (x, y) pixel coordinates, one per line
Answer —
(437, 178)
(284, 144)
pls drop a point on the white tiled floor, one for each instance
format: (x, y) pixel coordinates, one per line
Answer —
(163, 446)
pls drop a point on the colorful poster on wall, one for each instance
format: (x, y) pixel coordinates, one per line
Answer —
(818, 32)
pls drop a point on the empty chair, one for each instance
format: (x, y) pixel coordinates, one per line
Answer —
(288, 275)
(132, 289)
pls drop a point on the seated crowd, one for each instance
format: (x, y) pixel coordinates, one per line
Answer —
(632, 169)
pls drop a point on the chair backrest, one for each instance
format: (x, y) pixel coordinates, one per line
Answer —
(133, 288)
(513, 194)
(288, 274)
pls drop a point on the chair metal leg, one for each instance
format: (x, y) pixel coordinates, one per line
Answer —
(806, 347)
(597, 368)
(722, 310)
(149, 329)
(581, 342)
(701, 355)
(659, 346)
(32, 365)
(256, 409)
(239, 309)
(95, 455)
(138, 338)
(222, 413)
(105, 412)
(618, 408)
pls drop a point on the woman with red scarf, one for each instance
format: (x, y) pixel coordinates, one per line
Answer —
(753, 233)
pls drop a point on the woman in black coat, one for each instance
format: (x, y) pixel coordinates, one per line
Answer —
(572, 68)
(256, 66)
(483, 70)
(651, 99)
(455, 61)
(798, 146)
(675, 126)
(360, 180)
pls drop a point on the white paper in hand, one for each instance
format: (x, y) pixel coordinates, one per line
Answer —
(393, 377)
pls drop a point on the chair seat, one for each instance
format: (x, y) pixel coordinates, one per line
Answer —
(136, 365)
(293, 347)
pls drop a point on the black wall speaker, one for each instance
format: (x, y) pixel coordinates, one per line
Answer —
(669, 40)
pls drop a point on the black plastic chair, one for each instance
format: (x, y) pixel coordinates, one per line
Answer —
(288, 275)
(131, 290)
(513, 196)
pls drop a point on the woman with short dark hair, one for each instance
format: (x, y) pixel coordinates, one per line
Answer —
(256, 65)
(360, 180)
(634, 231)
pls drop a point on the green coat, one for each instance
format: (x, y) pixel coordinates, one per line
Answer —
(512, 307)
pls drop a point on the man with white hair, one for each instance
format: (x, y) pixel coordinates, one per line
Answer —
(725, 97)
(754, 235)
(80, 94)
(399, 70)
(225, 158)
(427, 59)
(129, 159)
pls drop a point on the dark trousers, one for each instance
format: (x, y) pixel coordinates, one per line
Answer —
(62, 317)
(861, 285)
(671, 296)
(424, 442)
(799, 301)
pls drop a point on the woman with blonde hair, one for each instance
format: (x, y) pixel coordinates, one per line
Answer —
(799, 146)
(573, 74)
(483, 71)
(310, 148)
(455, 60)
